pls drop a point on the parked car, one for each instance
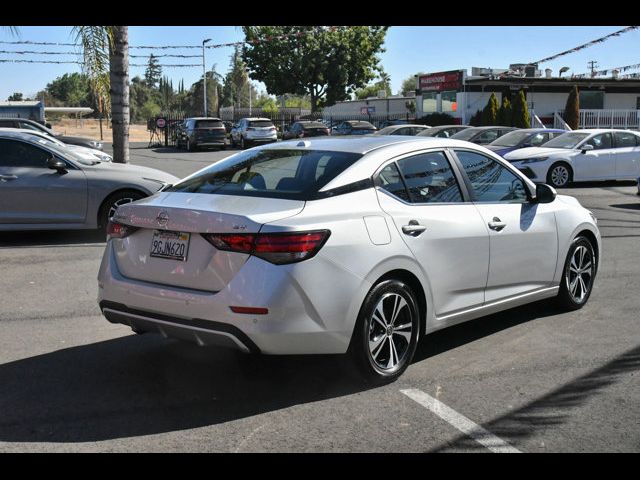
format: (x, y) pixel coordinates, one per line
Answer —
(199, 132)
(353, 127)
(329, 246)
(443, 131)
(407, 129)
(482, 135)
(252, 131)
(84, 152)
(388, 123)
(526, 137)
(305, 129)
(31, 125)
(44, 186)
(582, 155)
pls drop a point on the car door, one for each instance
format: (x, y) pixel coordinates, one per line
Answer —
(627, 155)
(31, 193)
(443, 230)
(522, 234)
(596, 164)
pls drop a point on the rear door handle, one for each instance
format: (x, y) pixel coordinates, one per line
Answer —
(414, 228)
(497, 224)
(6, 178)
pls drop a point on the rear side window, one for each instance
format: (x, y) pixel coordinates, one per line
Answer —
(260, 123)
(288, 174)
(626, 139)
(209, 124)
(14, 153)
(491, 182)
(389, 179)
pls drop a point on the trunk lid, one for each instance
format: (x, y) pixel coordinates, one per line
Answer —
(205, 268)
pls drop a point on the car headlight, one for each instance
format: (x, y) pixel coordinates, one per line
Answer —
(533, 160)
(104, 157)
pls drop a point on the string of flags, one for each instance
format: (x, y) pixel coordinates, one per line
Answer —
(11, 60)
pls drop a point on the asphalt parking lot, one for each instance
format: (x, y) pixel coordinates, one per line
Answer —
(531, 379)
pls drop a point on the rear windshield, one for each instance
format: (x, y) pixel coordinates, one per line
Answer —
(209, 124)
(313, 125)
(261, 123)
(290, 174)
(362, 126)
(467, 134)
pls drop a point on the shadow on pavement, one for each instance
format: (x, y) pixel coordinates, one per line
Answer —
(555, 407)
(628, 206)
(600, 184)
(59, 238)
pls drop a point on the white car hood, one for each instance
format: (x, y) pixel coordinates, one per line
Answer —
(531, 152)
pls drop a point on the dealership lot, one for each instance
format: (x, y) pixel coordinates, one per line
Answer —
(535, 379)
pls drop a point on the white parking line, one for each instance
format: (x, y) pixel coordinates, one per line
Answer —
(462, 423)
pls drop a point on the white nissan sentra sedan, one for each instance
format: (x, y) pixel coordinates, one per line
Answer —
(581, 156)
(344, 245)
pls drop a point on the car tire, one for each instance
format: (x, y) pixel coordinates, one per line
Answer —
(382, 347)
(112, 202)
(580, 268)
(559, 175)
(243, 144)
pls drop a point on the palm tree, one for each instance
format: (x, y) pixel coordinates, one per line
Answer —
(106, 62)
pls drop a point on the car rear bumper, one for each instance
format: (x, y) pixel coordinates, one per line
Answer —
(301, 318)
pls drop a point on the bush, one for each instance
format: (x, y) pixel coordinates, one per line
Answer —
(476, 119)
(490, 111)
(435, 119)
(521, 117)
(505, 114)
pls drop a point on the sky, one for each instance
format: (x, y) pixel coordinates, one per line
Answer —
(409, 49)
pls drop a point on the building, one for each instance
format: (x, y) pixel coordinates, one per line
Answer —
(604, 102)
(380, 106)
(29, 109)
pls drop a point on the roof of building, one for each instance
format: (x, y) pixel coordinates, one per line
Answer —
(21, 103)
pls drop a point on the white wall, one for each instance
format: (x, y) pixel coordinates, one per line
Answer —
(621, 101)
(396, 106)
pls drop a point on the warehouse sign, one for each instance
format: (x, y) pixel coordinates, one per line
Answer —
(367, 110)
(441, 81)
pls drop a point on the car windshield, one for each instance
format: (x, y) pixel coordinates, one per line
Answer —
(209, 124)
(566, 140)
(511, 139)
(261, 123)
(293, 174)
(466, 134)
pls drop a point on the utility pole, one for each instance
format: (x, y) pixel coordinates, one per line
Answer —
(204, 76)
(593, 65)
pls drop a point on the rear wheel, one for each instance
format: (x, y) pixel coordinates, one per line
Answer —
(559, 175)
(386, 332)
(111, 204)
(243, 145)
(578, 275)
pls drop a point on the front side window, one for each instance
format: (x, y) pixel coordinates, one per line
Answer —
(600, 142)
(19, 154)
(490, 181)
(289, 174)
(429, 178)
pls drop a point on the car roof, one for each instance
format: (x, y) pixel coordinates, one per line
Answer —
(493, 126)
(405, 125)
(253, 119)
(359, 123)
(601, 130)
(203, 118)
(17, 133)
(538, 130)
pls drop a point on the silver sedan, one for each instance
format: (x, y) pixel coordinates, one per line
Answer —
(44, 185)
(358, 246)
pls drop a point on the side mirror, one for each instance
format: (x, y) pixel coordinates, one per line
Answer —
(545, 193)
(586, 148)
(56, 164)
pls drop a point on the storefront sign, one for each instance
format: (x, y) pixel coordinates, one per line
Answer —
(441, 81)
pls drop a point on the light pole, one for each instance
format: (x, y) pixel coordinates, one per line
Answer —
(204, 76)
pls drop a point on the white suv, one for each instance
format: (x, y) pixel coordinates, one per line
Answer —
(250, 131)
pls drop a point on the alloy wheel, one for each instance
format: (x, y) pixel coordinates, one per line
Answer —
(559, 176)
(390, 330)
(117, 203)
(579, 275)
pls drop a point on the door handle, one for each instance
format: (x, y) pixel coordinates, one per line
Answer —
(6, 178)
(497, 224)
(414, 228)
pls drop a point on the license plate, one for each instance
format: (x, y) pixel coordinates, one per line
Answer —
(171, 245)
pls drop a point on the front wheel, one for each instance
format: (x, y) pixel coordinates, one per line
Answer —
(386, 332)
(578, 275)
(559, 175)
(111, 204)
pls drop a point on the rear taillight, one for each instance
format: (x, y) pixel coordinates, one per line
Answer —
(277, 248)
(119, 230)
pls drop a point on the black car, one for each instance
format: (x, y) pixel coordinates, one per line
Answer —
(305, 129)
(353, 127)
(443, 131)
(31, 125)
(199, 132)
(482, 135)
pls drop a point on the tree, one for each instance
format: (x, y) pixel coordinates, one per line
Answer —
(490, 111)
(384, 84)
(521, 117)
(476, 119)
(72, 89)
(153, 73)
(572, 109)
(328, 64)
(409, 84)
(505, 114)
(16, 97)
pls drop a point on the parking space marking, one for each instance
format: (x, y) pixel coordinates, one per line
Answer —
(462, 423)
